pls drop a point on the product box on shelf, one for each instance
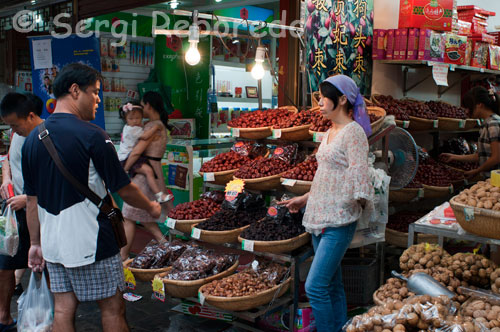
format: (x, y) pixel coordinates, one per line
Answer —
(479, 56)
(426, 14)
(379, 45)
(412, 49)
(183, 128)
(475, 10)
(463, 28)
(401, 44)
(494, 57)
(455, 49)
(390, 44)
(484, 37)
(431, 45)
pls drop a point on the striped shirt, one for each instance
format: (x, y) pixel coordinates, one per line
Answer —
(490, 132)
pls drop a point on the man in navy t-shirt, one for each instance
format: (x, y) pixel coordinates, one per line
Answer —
(67, 232)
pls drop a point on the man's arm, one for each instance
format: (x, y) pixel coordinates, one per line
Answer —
(132, 195)
(35, 258)
(6, 179)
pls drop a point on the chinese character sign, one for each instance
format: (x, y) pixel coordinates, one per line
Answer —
(339, 37)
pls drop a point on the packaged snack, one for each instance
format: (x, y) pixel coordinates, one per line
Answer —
(494, 57)
(455, 49)
(390, 44)
(379, 45)
(479, 56)
(431, 45)
(412, 49)
(426, 14)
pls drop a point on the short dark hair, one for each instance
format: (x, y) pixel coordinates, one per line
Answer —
(480, 95)
(331, 92)
(21, 104)
(75, 73)
(154, 99)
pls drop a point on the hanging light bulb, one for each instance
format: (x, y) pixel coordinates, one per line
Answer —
(174, 4)
(193, 55)
(258, 69)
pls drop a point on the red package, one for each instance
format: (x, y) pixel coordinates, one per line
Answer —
(448, 213)
(401, 44)
(379, 44)
(426, 14)
(479, 56)
(483, 37)
(475, 9)
(455, 49)
(412, 49)
(463, 28)
(390, 44)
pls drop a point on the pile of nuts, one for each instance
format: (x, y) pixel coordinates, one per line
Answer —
(495, 281)
(260, 168)
(445, 110)
(482, 195)
(225, 220)
(474, 269)
(199, 209)
(303, 171)
(422, 256)
(483, 312)
(259, 119)
(446, 278)
(394, 289)
(224, 162)
(248, 281)
(296, 119)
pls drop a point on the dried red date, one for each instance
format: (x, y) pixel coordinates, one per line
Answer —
(260, 168)
(224, 162)
(304, 171)
(447, 111)
(199, 209)
(258, 119)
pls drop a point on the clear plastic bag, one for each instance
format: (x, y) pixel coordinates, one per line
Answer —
(36, 307)
(9, 233)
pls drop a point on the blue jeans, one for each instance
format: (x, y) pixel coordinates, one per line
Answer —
(324, 286)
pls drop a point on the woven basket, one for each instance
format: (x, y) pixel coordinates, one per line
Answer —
(265, 183)
(184, 289)
(404, 195)
(400, 239)
(401, 124)
(186, 225)
(278, 247)
(242, 303)
(421, 124)
(144, 274)
(300, 187)
(254, 133)
(484, 222)
(221, 178)
(299, 133)
(437, 192)
(449, 124)
(374, 100)
(379, 111)
(220, 237)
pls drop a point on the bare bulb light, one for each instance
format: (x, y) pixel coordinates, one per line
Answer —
(258, 69)
(193, 55)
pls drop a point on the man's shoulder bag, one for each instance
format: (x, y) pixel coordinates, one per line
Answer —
(106, 205)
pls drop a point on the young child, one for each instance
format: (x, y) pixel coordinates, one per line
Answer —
(133, 132)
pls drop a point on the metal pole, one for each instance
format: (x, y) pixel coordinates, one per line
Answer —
(259, 93)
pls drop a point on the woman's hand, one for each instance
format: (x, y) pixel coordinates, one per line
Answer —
(471, 173)
(296, 203)
(447, 157)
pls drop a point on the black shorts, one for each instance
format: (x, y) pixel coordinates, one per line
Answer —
(20, 260)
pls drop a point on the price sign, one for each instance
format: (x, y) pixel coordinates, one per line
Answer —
(233, 188)
(276, 133)
(129, 279)
(451, 189)
(435, 123)
(318, 137)
(478, 122)
(406, 124)
(289, 182)
(461, 124)
(235, 132)
(201, 298)
(247, 245)
(469, 214)
(421, 193)
(196, 233)
(208, 177)
(158, 289)
(171, 223)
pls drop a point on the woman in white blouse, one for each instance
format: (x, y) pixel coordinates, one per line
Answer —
(341, 189)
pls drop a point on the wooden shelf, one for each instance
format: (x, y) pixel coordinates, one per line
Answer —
(242, 100)
(429, 63)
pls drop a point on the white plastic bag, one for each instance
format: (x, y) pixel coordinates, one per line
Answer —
(9, 233)
(36, 307)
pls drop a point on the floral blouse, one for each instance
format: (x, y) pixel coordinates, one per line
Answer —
(341, 180)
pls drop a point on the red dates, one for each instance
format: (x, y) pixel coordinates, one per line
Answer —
(199, 209)
(224, 162)
(447, 111)
(258, 119)
(304, 171)
(260, 168)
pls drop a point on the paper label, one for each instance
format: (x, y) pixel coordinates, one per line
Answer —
(247, 245)
(435, 123)
(171, 223)
(440, 73)
(132, 297)
(289, 182)
(318, 137)
(421, 193)
(159, 289)
(469, 214)
(201, 298)
(208, 177)
(129, 279)
(196, 233)
(461, 124)
(406, 124)
(478, 122)
(276, 133)
(451, 189)
(233, 188)
(42, 53)
(235, 132)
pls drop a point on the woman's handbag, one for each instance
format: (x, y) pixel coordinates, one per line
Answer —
(105, 205)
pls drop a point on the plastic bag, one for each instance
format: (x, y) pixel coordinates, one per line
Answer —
(36, 307)
(245, 201)
(9, 233)
(215, 195)
(287, 153)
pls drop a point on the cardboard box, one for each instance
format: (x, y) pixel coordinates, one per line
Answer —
(484, 37)
(183, 128)
(455, 49)
(390, 44)
(431, 45)
(401, 44)
(494, 57)
(397, 44)
(412, 49)
(380, 44)
(475, 10)
(463, 28)
(426, 14)
(479, 57)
